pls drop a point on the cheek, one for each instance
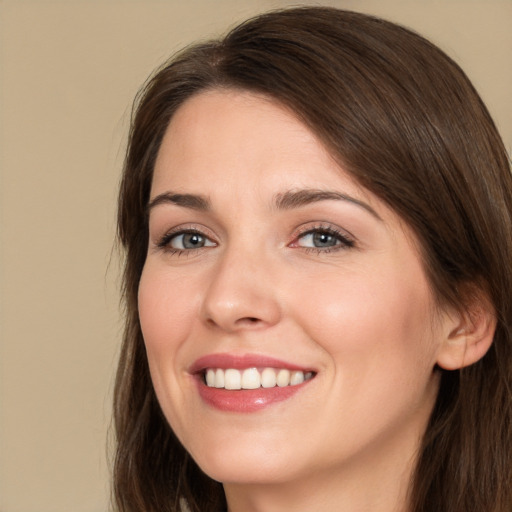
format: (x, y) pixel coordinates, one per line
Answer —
(371, 320)
(167, 311)
(167, 308)
(379, 338)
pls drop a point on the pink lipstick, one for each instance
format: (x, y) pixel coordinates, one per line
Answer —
(247, 383)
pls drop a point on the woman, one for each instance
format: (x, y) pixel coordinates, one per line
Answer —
(316, 212)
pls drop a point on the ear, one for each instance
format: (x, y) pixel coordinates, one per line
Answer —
(469, 335)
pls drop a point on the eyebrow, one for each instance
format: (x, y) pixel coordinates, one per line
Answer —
(192, 201)
(289, 200)
(297, 198)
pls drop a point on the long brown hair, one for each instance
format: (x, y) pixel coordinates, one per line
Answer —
(407, 124)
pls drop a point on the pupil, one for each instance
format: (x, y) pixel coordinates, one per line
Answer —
(323, 240)
(192, 240)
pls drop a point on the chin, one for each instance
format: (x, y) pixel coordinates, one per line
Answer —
(247, 473)
(254, 465)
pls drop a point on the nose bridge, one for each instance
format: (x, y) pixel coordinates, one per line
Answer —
(241, 292)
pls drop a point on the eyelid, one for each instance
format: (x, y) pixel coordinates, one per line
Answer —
(162, 242)
(346, 238)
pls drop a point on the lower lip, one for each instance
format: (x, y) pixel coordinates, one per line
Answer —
(246, 400)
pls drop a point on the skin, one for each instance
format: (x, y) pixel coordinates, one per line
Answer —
(360, 313)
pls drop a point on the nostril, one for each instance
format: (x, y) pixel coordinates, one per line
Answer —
(248, 320)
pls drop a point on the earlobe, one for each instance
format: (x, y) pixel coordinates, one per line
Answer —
(470, 339)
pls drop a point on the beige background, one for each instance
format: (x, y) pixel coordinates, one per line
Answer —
(69, 70)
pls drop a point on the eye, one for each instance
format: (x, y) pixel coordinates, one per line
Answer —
(323, 239)
(185, 241)
(318, 239)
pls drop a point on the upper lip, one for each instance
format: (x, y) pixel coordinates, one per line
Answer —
(242, 361)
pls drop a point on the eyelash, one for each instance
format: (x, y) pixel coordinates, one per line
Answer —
(165, 241)
(345, 241)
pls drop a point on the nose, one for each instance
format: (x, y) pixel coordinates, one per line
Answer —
(242, 294)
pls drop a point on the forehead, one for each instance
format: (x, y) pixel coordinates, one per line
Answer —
(229, 136)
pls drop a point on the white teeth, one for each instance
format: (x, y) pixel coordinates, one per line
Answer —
(268, 378)
(219, 378)
(296, 378)
(210, 378)
(232, 379)
(283, 378)
(252, 378)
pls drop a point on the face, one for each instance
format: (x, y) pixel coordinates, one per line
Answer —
(269, 269)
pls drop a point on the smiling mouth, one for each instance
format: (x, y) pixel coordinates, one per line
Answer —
(254, 378)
